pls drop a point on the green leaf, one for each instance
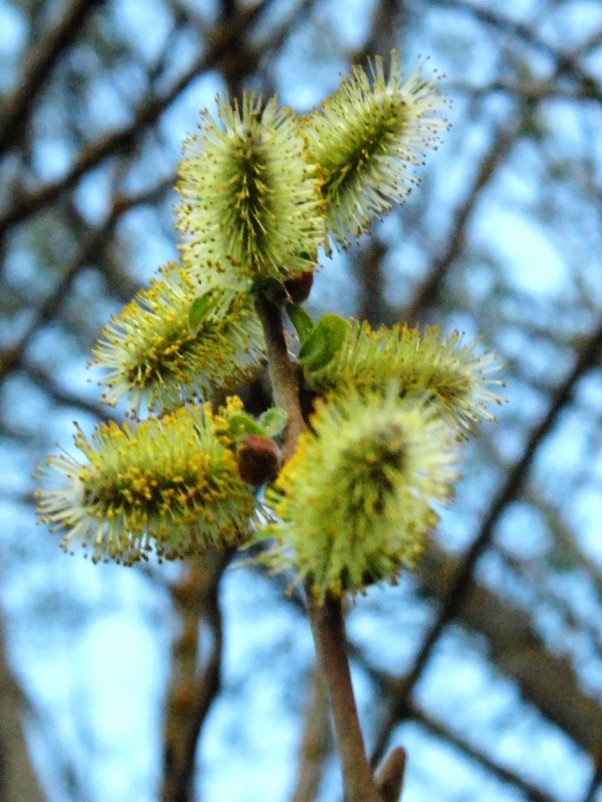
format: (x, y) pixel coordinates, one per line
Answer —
(301, 320)
(324, 341)
(274, 421)
(240, 424)
(198, 311)
(263, 533)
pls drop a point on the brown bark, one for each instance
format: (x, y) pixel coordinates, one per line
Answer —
(195, 678)
(316, 743)
(18, 780)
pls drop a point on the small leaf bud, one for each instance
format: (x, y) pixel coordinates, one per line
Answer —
(258, 459)
(299, 286)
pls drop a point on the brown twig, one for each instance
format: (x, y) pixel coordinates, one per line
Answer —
(283, 372)
(326, 620)
(328, 628)
(389, 779)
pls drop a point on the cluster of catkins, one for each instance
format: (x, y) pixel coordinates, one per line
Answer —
(262, 189)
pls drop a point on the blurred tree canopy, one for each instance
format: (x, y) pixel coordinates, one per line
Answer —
(183, 681)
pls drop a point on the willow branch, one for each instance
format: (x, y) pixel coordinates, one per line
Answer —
(328, 628)
(284, 373)
(327, 621)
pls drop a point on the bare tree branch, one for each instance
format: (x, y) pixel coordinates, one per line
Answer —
(94, 242)
(16, 107)
(61, 396)
(18, 780)
(316, 743)
(436, 727)
(194, 686)
(566, 62)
